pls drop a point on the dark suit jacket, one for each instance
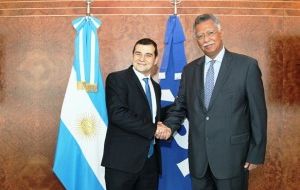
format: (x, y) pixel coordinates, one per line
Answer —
(130, 128)
(233, 129)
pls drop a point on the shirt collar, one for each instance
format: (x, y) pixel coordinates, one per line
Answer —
(140, 75)
(218, 58)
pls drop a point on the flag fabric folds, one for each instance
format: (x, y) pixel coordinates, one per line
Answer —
(175, 171)
(83, 120)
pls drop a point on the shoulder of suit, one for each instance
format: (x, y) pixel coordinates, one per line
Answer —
(193, 65)
(244, 58)
(122, 73)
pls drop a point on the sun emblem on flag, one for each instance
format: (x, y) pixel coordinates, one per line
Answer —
(87, 125)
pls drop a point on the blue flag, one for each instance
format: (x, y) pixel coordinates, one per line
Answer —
(175, 169)
(83, 120)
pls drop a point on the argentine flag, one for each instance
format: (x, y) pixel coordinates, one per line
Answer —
(175, 168)
(83, 120)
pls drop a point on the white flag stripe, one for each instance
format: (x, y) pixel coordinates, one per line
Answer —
(81, 56)
(90, 146)
(77, 24)
(92, 69)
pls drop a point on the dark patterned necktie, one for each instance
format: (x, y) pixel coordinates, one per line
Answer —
(209, 83)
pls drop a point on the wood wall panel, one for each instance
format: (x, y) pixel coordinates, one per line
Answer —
(291, 100)
(71, 8)
(36, 53)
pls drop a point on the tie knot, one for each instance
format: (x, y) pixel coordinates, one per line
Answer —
(212, 61)
(145, 80)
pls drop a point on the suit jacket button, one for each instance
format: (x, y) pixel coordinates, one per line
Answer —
(207, 118)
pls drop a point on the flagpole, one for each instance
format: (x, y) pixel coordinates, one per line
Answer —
(175, 3)
(88, 7)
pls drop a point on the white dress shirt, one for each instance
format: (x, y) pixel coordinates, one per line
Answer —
(217, 64)
(153, 97)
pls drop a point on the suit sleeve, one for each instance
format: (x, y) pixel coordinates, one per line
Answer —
(177, 112)
(119, 112)
(258, 115)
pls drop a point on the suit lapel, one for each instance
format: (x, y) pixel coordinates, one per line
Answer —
(157, 95)
(137, 82)
(135, 79)
(222, 77)
(199, 83)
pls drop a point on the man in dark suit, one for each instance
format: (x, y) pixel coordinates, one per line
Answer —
(131, 156)
(222, 96)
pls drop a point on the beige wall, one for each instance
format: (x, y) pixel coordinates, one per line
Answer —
(36, 53)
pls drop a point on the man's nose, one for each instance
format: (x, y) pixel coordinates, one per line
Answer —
(142, 58)
(206, 38)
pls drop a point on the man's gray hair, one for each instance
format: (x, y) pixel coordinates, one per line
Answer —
(206, 17)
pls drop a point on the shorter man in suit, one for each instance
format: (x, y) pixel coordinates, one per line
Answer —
(222, 95)
(131, 156)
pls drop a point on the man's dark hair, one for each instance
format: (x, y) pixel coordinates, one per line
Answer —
(146, 41)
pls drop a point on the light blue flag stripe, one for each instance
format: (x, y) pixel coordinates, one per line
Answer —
(65, 160)
(86, 48)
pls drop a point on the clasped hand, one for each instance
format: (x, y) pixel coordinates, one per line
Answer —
(162, 132)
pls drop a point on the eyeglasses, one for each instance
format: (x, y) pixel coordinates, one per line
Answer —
(208, 34)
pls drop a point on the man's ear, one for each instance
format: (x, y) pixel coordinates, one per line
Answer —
(156, 60)
(221, 32)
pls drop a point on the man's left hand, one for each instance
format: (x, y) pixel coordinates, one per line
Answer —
(250, 166)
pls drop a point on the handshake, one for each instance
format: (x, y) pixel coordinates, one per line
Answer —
(162, 132)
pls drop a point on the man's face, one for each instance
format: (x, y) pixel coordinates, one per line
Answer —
(209, 38)
(144, 58)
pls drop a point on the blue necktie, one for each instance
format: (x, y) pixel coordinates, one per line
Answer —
(209, 83)
(148, 95)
